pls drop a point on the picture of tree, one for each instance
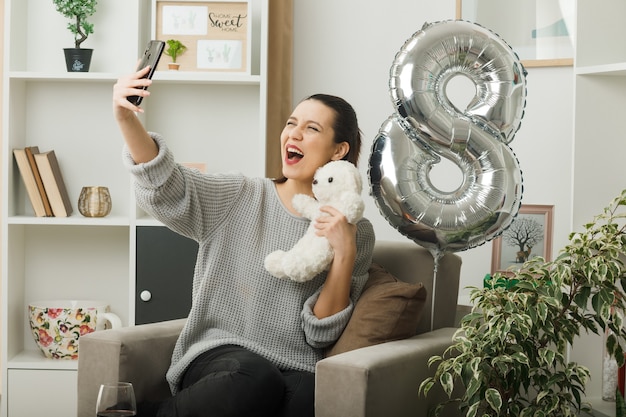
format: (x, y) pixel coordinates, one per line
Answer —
(528, 236)
(524, 234)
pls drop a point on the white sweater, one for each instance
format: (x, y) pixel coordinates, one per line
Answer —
(237, 221)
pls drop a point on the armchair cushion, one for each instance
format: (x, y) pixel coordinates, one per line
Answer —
(388, 309)
(383, 380)
(139, 354)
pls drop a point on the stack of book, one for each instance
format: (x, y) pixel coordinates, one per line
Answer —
(44, 183)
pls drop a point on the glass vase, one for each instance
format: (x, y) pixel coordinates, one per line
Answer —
(609, 372)
(94, 201)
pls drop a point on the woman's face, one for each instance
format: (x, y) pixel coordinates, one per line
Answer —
(307, 141)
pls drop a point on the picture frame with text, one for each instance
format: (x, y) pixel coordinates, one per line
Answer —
(216, 33)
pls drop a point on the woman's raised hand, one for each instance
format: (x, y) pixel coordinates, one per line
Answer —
(140, 145)
(129, 85)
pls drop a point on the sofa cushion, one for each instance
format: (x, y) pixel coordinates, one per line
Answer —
(388, 309)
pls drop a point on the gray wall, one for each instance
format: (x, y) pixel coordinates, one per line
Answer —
(346, 47)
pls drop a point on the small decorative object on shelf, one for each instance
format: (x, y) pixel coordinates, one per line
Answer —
(56, 325)
(77, 59)
(54, 185)
(94, 201)
(174, 48)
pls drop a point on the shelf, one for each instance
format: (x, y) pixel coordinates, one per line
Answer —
(618, 69)
(602, 408)
(148, 221)
(207, 77)
(78, 257)
(34, 359)
(63, 76)
(169, 76)
(597, 169)
(73, 220)
(599, 32)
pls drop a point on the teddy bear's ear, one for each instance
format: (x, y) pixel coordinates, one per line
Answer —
(357, 177)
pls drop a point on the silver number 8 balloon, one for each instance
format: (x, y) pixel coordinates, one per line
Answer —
(426, 127)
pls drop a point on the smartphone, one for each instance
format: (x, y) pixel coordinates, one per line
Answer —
(151, 57)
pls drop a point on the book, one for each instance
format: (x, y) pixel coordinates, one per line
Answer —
(28, 178)
(53, 183)
(30, 153)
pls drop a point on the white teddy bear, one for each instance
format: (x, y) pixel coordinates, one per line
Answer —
(337, 184)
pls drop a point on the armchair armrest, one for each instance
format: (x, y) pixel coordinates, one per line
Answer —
(382, 380)
(138, 354)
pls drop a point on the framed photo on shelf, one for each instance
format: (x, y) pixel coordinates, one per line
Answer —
(541, 32)
(216, 33)
(529, 236)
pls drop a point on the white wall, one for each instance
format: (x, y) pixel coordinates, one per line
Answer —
(346, 48)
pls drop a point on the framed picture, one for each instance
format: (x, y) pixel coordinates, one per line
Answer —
(529, 236)
(216, 33)
(541, 32)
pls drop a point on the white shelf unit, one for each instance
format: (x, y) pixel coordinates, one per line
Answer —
(599, 143)
(215, 118)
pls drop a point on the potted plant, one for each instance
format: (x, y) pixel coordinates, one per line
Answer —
(510, 351)
(77, 59)
(174, 49)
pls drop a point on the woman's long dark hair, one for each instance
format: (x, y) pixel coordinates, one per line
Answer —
(346, 126)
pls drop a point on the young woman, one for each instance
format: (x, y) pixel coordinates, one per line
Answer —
(251, 341)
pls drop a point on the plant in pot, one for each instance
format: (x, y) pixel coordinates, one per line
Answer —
(509, 354)
(77, 59)
(174, 49)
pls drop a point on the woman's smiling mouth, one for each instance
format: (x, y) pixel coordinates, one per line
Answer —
(294, 154)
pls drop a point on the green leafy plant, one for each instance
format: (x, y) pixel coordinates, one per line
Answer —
(77, 11)
(174, 48)
(620, 404)
(509, 353)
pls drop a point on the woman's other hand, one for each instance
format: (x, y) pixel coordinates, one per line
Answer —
(334, 226)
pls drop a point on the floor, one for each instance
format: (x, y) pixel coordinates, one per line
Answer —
(597, 414)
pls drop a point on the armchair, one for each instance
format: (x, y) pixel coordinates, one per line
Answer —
(374, 381)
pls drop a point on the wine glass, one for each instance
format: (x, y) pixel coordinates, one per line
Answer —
(116, 399)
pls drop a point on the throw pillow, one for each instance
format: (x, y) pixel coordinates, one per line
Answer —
(388, 309)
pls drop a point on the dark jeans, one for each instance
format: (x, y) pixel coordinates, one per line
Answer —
(232, 381)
